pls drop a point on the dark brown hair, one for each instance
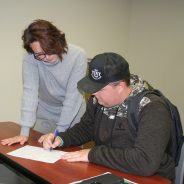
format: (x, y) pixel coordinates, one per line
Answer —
(51, 39)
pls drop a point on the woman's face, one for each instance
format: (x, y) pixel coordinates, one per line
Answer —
(40, 55)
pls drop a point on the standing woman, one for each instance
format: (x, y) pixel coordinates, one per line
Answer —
(51, 70)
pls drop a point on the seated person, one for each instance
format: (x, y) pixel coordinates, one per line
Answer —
(117, 144)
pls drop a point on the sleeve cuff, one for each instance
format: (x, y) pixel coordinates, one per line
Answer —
(91, 154)
(25, 131)
(61, 141)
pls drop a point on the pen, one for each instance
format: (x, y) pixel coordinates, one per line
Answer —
(55, 135)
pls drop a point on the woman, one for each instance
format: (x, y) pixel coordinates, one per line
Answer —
(51, 70)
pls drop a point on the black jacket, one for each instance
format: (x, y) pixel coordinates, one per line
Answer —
(118, 145)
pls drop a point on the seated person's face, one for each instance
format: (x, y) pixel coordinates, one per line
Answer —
(40, 55)
(109, 96)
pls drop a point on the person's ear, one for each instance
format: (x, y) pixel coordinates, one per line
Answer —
(121, 86)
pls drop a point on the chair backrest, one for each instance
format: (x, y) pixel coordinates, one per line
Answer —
(180, 168)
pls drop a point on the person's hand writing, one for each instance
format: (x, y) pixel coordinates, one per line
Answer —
(47, 141)
(77, 156)
(17, 139)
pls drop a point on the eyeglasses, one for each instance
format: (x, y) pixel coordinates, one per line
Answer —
(40, 56)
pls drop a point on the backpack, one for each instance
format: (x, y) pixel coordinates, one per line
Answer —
(177, 138)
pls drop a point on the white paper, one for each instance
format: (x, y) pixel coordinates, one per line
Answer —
(38, 154)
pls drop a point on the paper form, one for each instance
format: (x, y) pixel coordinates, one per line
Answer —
(37, 153)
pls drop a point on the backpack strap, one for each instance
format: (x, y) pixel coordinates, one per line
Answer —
(133, 106)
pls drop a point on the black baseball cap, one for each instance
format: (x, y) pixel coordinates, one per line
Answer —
(103, 69)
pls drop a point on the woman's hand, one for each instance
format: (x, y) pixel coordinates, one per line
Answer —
(17, 139)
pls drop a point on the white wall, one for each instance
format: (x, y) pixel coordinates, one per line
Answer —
(148, 33)
(156, 46)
